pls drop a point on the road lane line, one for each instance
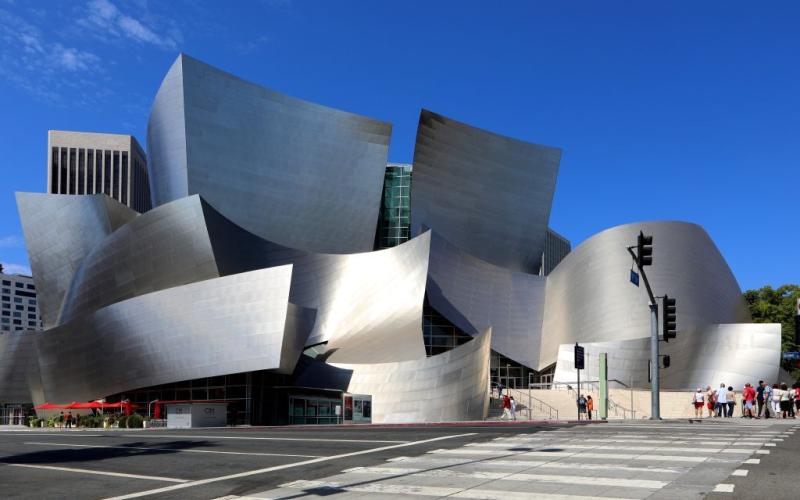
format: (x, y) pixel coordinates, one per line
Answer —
(101, 473)
(176, 450)
(425, 460)
(255, 438)
(576, 454)
(285, 466)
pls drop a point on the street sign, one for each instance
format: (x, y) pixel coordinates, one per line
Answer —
(579, 363)
(634, 277)
(791, 355)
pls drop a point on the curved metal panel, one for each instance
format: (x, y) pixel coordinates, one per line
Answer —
(296, 173)
(220, 326)
(165, 247)
(477, 189)
(19, 368)
(589, 298)
(368, 305)
(732, 353)
(60, 230)
(446, 387)
(474, 295)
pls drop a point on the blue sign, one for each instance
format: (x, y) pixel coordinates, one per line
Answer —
(634, 277)
(791, 355)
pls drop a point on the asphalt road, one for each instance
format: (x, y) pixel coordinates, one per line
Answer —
(96, 463)
(663, 460)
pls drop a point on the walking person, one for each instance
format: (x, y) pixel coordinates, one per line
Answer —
(760, 398)
(710, 403)
(730, 396)
(721, 404)
(748, 399)
(768, 401)
(506, 407)
(513, 408)
(581, 405)
(68, 419)
(589, 406)
(791, 392)
(785, 402)
(776, 400)
(698, 400)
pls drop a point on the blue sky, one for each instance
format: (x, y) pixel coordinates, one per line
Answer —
(664, 110)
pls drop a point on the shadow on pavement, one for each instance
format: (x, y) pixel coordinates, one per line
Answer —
(90, 453)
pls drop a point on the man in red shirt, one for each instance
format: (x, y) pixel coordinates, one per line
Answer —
(748, 396)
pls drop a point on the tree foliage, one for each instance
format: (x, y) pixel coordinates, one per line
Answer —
(776, 305)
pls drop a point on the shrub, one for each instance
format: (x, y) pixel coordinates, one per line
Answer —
(122, 421)
(135, 421)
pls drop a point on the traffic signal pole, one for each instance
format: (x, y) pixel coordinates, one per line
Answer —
(655, 386)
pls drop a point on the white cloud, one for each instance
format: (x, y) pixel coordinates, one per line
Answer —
(107, 16)
(11, 268)
(73, 59)
(12, 241)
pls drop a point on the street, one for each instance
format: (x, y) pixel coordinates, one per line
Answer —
(658, 460)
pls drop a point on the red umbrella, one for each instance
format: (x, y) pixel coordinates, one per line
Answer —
(49, 406)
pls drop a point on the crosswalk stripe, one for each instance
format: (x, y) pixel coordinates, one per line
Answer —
(521, 476)
(723, 488)
(655, 446)
(434, 491)
(753, 461)
(621, 456)
(739, 472)
(437, 460)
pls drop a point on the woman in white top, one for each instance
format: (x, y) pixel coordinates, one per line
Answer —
(698, 400)
(776, 399)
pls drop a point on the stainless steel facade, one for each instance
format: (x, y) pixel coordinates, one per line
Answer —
(478, 189)
(475, 295)
(589, 298)
(215, 327)
(60, 230)
(446, 387)
(250, 151)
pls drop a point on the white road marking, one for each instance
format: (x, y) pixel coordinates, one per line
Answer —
(545, 478)
(176, 450)
(656, 446)
(754, 461)
(433, 491)
(553, 454)
(739, 472)
(723, 488)
(56, 434)
(770, 444)
(256, 438)
(101, 473)
(429, 460)
(762, 452)
(284, 466)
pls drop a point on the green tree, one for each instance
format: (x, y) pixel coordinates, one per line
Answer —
(777, 305)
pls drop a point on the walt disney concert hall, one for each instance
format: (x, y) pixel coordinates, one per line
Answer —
(284, 264)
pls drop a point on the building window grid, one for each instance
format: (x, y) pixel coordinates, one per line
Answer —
(394, 222)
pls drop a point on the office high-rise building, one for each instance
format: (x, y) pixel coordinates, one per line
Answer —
(18, 307)
(91, 163)
(394, 222)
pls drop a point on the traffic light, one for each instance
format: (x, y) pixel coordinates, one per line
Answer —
(667, 361)
(669, 323)
(644, 248)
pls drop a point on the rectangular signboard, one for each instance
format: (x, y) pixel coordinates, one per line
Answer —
(579, 362)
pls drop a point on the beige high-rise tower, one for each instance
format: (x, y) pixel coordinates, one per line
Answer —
(91, 163)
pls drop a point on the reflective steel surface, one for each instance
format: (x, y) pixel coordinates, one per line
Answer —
(215, 327)
(60, 230)
(290, 171)
(446, 387)
(487, 194)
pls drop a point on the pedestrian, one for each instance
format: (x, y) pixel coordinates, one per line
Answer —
(710, 403)
(785, 402)
(513, 408)
(797, 399)
(589, 406)
(499, 390)
(68, 419)
(506, 407)
(768, 401)
(760, 398)
(581, 405)
(721, 404)
(748, 398)
(776, 400)
(730, 396)
(790, 391)
(698, 400)
(61, 420)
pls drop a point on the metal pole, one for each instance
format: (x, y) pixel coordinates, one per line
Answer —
(577, 401)
(655, 410)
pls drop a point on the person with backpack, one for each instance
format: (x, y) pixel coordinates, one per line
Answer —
(581, 405)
